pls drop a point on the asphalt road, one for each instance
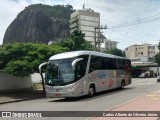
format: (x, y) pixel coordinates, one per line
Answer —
(100, 102)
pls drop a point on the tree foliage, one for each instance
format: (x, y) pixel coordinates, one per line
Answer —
(22, 59)
(77, 42)
(115, 51)
(157, 56)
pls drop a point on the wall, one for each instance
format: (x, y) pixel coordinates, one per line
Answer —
(36, 78)
(130, 52)
(12, 83)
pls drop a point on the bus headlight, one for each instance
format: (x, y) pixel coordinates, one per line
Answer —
(70, 88)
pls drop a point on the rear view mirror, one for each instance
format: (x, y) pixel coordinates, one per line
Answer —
(74, 63)
(41, 65)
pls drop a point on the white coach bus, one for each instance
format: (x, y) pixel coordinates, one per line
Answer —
(79, 73)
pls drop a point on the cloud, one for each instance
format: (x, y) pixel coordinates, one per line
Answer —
(112, 12)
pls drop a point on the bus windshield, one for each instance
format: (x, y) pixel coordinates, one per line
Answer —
(59, 72)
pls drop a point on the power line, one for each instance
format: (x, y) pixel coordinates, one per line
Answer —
(124, 35)
(140, 21)
(135, 31)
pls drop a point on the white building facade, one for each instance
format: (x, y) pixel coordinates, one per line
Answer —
(85, 20)
(108, 44)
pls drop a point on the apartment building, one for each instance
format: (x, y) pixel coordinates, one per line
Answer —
(108, 44)
(143, 50)
(85, 20)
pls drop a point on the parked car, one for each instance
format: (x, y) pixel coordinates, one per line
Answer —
(158, 79)
(143, 75)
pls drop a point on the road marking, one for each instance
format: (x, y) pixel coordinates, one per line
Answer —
(142, 84)
(154, 98)
(152, 95)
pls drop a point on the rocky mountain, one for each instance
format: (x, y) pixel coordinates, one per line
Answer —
(40, 24)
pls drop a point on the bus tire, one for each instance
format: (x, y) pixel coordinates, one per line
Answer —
(91, 90)
(122, 85)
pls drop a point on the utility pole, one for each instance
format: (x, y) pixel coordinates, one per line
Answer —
(98, 42)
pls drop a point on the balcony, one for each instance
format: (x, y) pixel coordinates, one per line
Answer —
(73, 19)
(75, 25)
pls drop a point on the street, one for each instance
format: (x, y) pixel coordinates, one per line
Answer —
(104, 101)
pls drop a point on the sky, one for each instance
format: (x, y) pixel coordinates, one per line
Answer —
(129, 22)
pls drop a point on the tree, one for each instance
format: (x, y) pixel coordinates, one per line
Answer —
(115, 51)
(157, 56)
(76, 42)
(23, 59)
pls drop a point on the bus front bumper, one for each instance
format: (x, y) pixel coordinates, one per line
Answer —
(61, 94)
(58, 93)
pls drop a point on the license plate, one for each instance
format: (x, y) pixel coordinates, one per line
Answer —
(57, 94)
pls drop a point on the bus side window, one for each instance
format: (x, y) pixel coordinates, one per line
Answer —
(109, 63)
(120, 64)
(95, 63)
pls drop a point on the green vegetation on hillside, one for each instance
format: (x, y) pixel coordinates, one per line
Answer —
(58, 11)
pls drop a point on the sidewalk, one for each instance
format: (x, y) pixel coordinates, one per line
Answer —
(11, 97)
(149, 102)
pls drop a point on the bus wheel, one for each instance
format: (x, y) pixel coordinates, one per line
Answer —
(91, 91)
(122, 84)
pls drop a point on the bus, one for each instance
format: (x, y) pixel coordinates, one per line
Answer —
(79, 73)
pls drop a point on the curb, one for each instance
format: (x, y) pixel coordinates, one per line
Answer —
(20, 100)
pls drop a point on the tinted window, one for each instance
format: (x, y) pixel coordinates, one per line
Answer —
(120, 63)
(95, 63)
(81, 67)
(109, 63)
(103, 63)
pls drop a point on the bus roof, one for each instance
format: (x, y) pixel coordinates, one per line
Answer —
(78, 53)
